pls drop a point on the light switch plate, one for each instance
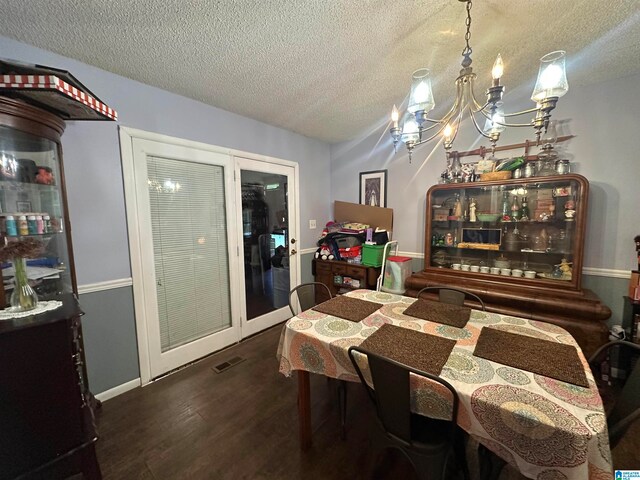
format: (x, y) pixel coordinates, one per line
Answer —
(312, 224)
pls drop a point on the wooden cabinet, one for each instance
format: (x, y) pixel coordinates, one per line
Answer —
(476, 238)
(46, 422)
(48, 429)
(341, 277)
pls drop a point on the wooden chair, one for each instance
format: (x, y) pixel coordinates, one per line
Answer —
(309, 295)
(452, 295)
(432, 446)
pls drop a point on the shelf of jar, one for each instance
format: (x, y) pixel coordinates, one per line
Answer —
(30, 235)
(502, 250)
(523, 272)
(560, 221)
(7, 184)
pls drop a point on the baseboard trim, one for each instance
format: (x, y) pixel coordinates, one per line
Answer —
(119, 390)
(108, 285)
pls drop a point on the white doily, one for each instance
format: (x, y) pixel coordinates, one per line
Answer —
(42, 307)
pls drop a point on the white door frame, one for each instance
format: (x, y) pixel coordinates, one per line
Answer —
(127, 136)
(275, 166)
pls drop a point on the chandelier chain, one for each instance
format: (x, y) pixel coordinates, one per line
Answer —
(467, 49)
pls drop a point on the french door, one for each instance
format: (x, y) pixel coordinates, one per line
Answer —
(213, 245)
(182, 227)
(266, 203)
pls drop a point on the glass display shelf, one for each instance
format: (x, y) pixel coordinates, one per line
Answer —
(32, 207)
(524, 230)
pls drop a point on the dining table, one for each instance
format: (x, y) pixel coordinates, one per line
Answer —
(546, 428)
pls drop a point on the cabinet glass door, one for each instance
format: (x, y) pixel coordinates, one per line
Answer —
(516, 229)
(32, 208)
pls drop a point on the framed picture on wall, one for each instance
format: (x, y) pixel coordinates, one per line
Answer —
(373, 188)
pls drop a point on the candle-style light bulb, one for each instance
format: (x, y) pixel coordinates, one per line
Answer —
(498, 69)
(394, 116)
(447, 133)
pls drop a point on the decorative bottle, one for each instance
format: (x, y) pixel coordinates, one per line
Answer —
(524, 210)
(515, 209)
(506, 208)
(457, 209)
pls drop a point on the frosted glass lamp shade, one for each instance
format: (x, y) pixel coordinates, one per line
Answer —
(421, 96)
(550, 136)
(552, 77)
(410, 130)
(495, 124)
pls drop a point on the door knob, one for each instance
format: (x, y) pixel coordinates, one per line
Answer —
(294, 251)
(293, 240)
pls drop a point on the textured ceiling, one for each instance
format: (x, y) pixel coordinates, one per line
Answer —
(327, 69)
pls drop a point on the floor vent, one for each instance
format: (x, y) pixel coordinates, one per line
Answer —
(228, 364)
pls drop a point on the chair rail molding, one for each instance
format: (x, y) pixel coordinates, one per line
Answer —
(106, 285)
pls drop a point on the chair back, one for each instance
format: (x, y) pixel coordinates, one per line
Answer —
(390, 393)
(627, 403)
(309, 295)
(452, 295)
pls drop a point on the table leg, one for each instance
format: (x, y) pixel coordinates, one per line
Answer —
(304, 410)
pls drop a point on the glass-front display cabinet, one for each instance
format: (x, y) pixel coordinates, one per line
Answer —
(527, 231)
(48, 428)
(33, 207)
(518, 244)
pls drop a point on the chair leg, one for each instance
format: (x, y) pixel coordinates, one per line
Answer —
(342, 399)
(460, 450)
(428, 468)
(491, 465)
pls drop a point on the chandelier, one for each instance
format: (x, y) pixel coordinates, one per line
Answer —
(417, 128)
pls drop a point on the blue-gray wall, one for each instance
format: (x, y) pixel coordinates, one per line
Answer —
(96, 197)
(110, 343)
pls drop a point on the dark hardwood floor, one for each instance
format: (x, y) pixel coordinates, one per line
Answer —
(239, 424)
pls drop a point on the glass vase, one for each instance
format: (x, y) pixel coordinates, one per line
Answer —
(23, 297)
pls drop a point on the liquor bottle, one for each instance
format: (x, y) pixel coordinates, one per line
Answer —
(515, 209)
(524, 210)
(465, 212)
(506, 208)
(457, 209)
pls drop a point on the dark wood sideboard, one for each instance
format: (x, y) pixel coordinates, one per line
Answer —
(327, 271)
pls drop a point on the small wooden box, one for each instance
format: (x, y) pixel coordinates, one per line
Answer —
(495, 176)
(440, 214)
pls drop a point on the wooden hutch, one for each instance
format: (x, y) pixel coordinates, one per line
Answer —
(476, 239)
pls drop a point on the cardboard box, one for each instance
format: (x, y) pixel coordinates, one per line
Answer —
(376, 217)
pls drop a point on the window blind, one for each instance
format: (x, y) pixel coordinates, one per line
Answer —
(191, 254)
